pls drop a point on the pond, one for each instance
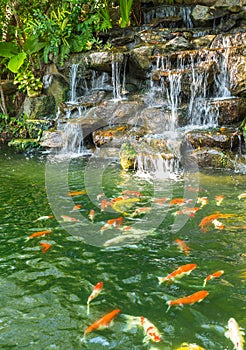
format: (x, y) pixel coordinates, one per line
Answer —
(44, 293)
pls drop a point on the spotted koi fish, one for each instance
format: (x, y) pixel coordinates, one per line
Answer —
(207, 220)
(178, 273)
(187, 211)
(45, 217)
(102, 322)
(91, 214)
(219, 199)
(132, 193)
(95, 292)
(190, 299)
(112, 223)
(202, 200)
(150, 330)
(216, 274)
(67, 218)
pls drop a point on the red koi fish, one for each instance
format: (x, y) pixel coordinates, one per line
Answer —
(150, 330)
(95, 292)
(102, 322)
(39, 233)
(207, 220)
(183, 246)
(190, 299)
(77, 207)
(45, 246)
(76, 193)
(91, 214)
(187, 211)
(112, 223)
(66, 218)
(178, 273)
(216, 274)
(132, 193)
(219, 199)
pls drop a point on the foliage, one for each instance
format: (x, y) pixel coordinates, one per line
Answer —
(13, 126)
(125, 11)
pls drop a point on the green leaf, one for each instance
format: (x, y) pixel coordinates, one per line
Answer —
(16, 62)
(33, 45)
(8, 49)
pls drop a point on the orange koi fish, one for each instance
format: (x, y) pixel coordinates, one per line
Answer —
(102, 322)
(95, 292)
(132, 193)
(150, 330)
(213, 275)
(207, 221)
(190, 299)
(187, 211)
(68, 218)
(91, 214)
(219, 199)
(113, 200)
(103, 204)
(235, 334)
(77, 207)
(76, 193)
(183, 246)
(46, 217)
(45, 246)
(39, 233)
(178, 273)
(202, 200)
(141, 211)
(177, 201)
(112, 223)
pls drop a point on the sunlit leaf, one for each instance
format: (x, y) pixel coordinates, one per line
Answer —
(16, 62)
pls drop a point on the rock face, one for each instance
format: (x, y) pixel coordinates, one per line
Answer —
(183, 68)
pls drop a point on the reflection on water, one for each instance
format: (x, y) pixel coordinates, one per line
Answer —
(44, 295)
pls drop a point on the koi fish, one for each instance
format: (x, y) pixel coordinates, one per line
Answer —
(213, 275)
(218, 225)
(183, 246)
(91, 214)
(103, 204)
(113, 200)
(66, 218)
(219, 199)
(45, 246)
(95, 292)
(190, 299)
(76, 207)
(150, 330)
(46, 217)
(178, 273)
(112, 223)
(100, 195)
(102, 322)
(242, 195)
(177, 201)
(186, 346)
(39, 233)
(132, 193)
(124, 205)
(160, 200)
(207, 220)
(202, 200)
(187, 211)
(140, 211)
(235, 334)
(76, 193)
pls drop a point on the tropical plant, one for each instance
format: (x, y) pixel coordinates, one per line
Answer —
(125, 11)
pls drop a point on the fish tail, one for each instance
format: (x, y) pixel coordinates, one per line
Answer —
(160, 279)
(88, 309)
(169, 305)
(132, 321)
(204, 283)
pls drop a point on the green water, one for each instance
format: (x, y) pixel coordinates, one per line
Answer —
(43, 295)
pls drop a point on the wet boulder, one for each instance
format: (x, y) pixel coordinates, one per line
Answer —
(127, 156)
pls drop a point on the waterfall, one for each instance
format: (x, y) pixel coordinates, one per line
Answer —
(73, 82)
(72, 139)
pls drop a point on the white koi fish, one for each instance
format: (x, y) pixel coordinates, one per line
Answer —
(235, 334)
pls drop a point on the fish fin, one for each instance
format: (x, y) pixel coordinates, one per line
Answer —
(227, 334)
(132, 321)
(88, 309)
(204, 283)
(160, 279)
(169, 305)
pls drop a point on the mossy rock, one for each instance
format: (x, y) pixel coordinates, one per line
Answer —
(127, 156)
(24, 144)
(35, 127)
